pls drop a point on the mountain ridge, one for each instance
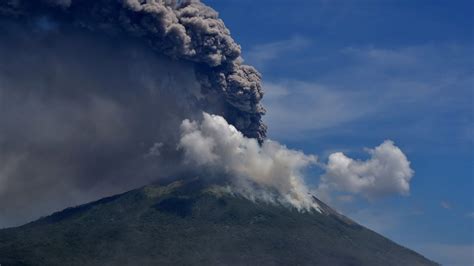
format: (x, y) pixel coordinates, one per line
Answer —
(192, 222)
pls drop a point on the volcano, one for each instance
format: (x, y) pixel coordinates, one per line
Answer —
(192, 222)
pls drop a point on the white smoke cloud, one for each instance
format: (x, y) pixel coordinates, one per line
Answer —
(215, 144)
(386, 172)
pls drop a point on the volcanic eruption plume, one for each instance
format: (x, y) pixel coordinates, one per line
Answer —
(100, 96)
(89, 88)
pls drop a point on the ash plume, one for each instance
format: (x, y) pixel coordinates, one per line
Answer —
(186, 30)
(98, 97)
(92, 94)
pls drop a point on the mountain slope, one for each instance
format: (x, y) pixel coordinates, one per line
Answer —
(192, 223)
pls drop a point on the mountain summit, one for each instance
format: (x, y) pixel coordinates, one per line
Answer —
(194, 223)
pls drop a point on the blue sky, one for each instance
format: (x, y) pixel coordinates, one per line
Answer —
(346, 75)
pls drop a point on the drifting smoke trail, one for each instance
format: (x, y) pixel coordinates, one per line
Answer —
(215, 144)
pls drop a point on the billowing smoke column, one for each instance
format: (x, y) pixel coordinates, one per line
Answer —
(215, 144)
(93, 92)
(186, 30)
(98, 97)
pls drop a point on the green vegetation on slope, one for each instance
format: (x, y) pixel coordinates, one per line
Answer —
(189, 223)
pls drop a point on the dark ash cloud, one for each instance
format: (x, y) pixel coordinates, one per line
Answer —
(92, 94)
(186, 30)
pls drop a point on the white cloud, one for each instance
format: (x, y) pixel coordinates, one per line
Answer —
(215, 144)
(387, 172)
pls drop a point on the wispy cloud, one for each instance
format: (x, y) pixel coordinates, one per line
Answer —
(382, 221)
(297, 106)
(391, 223)
(445, 205)
(418, 84)
(345, 198)
(448, 254)
(262, 54)
(375, 220)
